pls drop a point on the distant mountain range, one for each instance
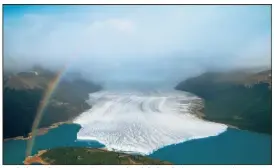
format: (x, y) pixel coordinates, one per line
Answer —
(24, 90)
(238, 98)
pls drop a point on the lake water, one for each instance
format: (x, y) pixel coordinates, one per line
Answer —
(65, 135)
(231, 147)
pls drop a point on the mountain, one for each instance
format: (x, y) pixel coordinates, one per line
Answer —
(23, 92)
(238, 98)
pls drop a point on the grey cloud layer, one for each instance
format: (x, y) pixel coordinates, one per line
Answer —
(144, 44)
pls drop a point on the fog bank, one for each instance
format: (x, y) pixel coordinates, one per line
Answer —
(121, 46)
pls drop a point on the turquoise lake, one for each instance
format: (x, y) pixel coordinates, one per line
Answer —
(65, 135)
(231, 147)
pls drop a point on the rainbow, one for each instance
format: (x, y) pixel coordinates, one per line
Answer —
(41, 108)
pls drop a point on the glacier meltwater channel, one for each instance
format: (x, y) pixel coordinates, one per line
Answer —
(142, 122)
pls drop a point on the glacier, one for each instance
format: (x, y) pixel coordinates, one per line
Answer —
(142, 122)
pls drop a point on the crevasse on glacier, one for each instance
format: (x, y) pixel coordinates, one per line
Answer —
(142, 122)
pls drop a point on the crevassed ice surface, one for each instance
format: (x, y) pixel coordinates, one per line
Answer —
(142, 122)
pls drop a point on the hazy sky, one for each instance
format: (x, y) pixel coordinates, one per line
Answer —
(155, 44)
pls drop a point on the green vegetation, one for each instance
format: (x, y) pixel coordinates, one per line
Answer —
(19, 109)
(90, 156)
(242, 103)
(22, 95)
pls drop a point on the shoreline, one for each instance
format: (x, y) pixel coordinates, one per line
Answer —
(198, 111)
(36, 159)
(40, 131)
(44, 130)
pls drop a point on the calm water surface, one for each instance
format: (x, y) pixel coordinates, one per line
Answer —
(231, 147)
(64, 135)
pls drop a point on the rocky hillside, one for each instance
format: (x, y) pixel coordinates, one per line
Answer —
(236, 98)
(23, 92)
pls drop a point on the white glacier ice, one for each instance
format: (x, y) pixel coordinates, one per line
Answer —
(142, 122)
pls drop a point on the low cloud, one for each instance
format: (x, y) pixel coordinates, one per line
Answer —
(146, 44)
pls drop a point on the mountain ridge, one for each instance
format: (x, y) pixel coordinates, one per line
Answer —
(241, 100)
(23, 91)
